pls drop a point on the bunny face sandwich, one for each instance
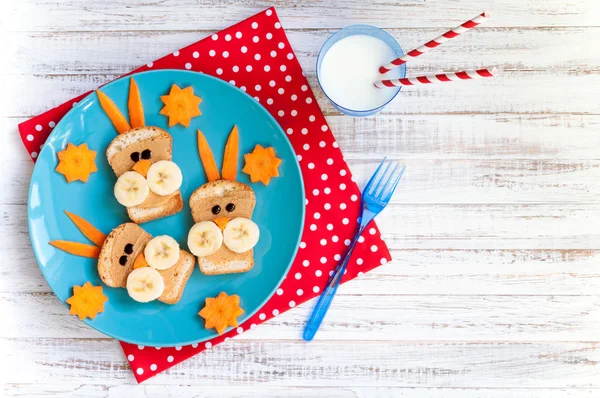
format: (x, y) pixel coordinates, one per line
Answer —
(224, 235)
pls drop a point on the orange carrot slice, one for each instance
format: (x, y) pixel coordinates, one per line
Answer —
(142, 166)
(113, 113)
(87, 229)
(77, 249)
(208, 160)
(134, 104)
(140, 261)
(230, 157)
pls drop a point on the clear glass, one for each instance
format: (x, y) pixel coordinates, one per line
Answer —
(367, 30)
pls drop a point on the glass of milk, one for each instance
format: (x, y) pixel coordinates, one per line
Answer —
(348, 65)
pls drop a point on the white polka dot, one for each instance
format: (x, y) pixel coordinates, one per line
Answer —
(347, 242)
(330, 161)
(257, 99)
(323, 260)
(212, 53)
(149, 64)
(254, 25)
(51, 124)
(139, 371)
(176, 54)
(361, 239)
(141, 347)
(215, 36)
(331, 273)
(178, 348)
(243, 88)
(317, 215)
(372, 231)
(342, 186)
(335, 145)
(302, 245)
(298, 275)
(255, 39)
(334, 238)
(270, 101)
(238, 35)
(299, 157)
(311, 165)
(290, 56)
(269, 12)
(153, 367)
(304, 87)
(226, 338)
(330, 227)
(225, 54)
(195, 345)
(282, 68)
(383, 261)
(324, 177)
(232, 82)
(275, 312)
(313, 227)
(267, 68)
(272, 83)
(316, 289)
(374, 248)
(327, 191)
(294, 112)
(292, 304)
(74, 104)
(315, 192)
(130, 357)
(279, 292)
(195, 54)
(306, 263)
(289, 131)
(228, 37)
(30, 136)
(248, 68)
(299, 292)
(322, 144)
(240, 330)
(252, 326)
(280, 90)
(354, 198)
(294, 97)
(311, 118)
(257, 87)
(318, 272)
(324, 127)
(281, 113)
(244, 49)
(342, 172)
(359, 261)
(262, 317)
(188, 66)
(308, 100)
(345, 221)
(288, 78)
(323, 242)
(269, 36)
(235, 68)
(170, 358)
(273, 53)
(277, 25)
(219, 71)
(34, 155)
(208, 344)
(280, 45)
(304, 131)
(257, 57)
(337, 257)
(306, 147)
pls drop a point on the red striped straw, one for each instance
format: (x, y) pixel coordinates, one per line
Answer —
(452, 33)
(440, 77)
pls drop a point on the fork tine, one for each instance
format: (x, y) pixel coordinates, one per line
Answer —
(383, 174)
(387, 181)
(374, 176)
(388, 196)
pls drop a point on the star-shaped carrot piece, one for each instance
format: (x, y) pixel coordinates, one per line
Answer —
(180, 105)
(87, 301)
(261, 164)
(76, 162)
(221, 311)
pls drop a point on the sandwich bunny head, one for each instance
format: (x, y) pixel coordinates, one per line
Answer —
(141, 157)
(224, 235)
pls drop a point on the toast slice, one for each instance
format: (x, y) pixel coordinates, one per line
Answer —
(114, 274)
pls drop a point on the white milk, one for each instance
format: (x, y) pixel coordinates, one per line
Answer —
(349, 69)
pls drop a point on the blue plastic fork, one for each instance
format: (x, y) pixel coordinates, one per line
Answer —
(375, 197)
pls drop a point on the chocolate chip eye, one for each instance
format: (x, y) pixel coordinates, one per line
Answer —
(146, 154)
(135, 156)
(128, 248)
(123, 260)
(216, 209)
(230, 207)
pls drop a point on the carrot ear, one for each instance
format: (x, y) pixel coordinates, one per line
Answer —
(78, 249)
(208, 160)
(230, 157)
(136, 109)
(87, 229)
(113, 113)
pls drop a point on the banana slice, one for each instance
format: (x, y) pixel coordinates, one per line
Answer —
(145, 284)
(240, 235)
(205, 238)
(131, 189)
(162, 252)
(164, 177)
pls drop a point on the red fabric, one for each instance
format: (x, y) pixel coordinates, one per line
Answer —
(256, 56)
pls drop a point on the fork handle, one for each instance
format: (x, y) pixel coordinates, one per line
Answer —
(318, 313)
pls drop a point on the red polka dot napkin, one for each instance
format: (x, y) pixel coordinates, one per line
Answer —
(256, 56)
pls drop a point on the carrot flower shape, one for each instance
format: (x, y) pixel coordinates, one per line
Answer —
(221, 311)
(87, 301)
(180, 105)
(261, 164)
(76, 162)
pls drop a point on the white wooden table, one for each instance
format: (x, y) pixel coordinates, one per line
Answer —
(495, 285)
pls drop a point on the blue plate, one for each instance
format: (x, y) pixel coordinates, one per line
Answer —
(279, 209)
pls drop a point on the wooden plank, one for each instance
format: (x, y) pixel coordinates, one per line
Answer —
(513, 92)
(405, 317)
(77, 390)
(120, 52)
(190, 14)
(320, 363)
